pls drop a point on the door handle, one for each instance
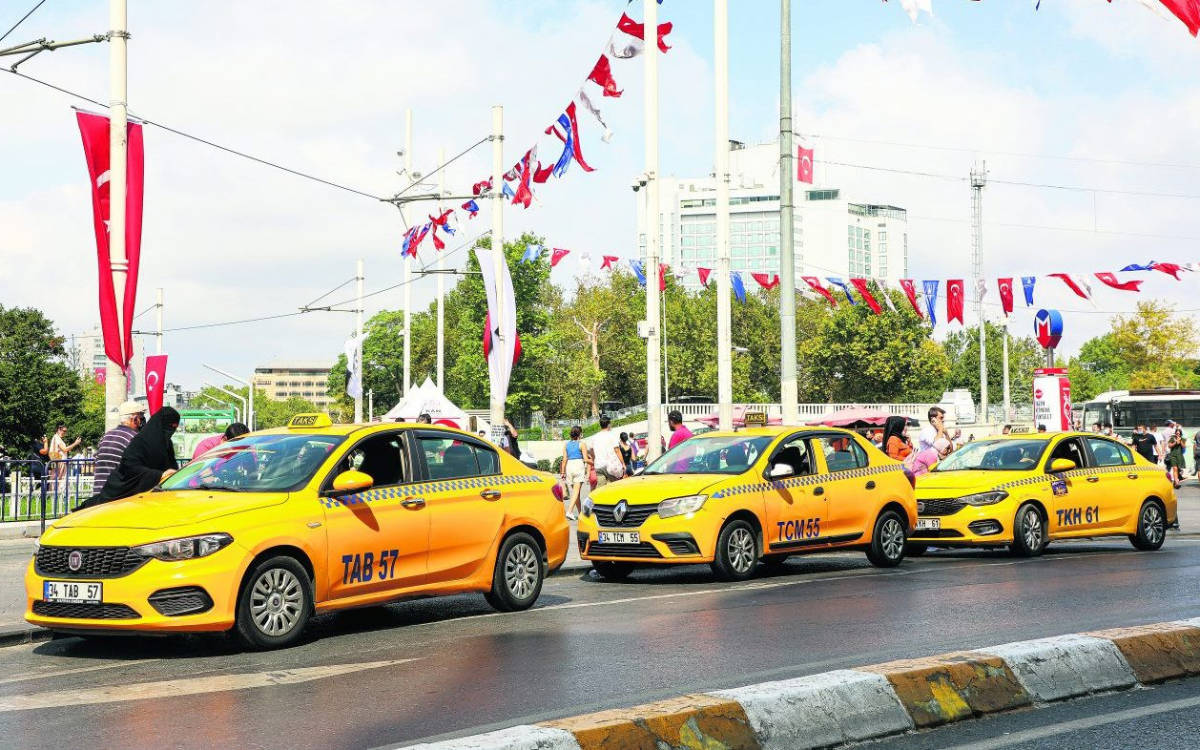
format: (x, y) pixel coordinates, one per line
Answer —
(819, 491)
(871, 484)
(1093, 479)
(490, 494)
(1132, 476)
(413, 503)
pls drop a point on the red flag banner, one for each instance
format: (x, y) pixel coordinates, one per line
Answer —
(490, 334)
(910, 291)
(638, 30)
(1072, 284)
(1006, 295)
(118, 344)
(602, 76)
(864, 291)
(1172, 269)
(815, 284)
(608, 261)
(804, 164)
(662, 277)
(156, 378)
(1187, 11)
(1110, 279)
(766, 281)
(954, 300)
(557, 255)
(100, 374)
(704, 273)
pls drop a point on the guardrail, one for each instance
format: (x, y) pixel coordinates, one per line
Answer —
(41, 490)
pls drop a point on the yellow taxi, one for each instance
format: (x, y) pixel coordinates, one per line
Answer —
(731, 499)
(1022, 491)
(261, 533)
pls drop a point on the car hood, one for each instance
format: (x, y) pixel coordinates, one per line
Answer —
(166, 509)
(954, 483)
(645, 490)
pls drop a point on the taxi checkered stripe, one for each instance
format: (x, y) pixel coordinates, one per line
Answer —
(1077, 474)
(805, 481)
(433, 486)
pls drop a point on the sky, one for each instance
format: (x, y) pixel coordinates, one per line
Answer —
(1081, 94)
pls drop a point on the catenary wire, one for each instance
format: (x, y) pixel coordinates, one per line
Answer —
(18, 23)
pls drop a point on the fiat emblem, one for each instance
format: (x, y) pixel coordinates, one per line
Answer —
(75, 560)
(619, 511)
(920, 507)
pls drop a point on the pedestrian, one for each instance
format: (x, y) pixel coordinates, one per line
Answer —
(149, 459)
(424, 418)
(1196, 454)
(38, 454)
(1007, 430)
(934, 430)
(232, 432)
(115, 441)
(605, 446)
(679, 431)
(924, 460)
(1041, 428)
(511, 442)
(575, 468)
(1096, 427)
(60, 452)
(1164, 436)
(1174, 460)
(1145, 443)
(877, 439)
(628, 452)
(895, 438)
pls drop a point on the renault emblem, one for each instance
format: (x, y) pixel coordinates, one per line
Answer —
(75, 560)
(619, 511)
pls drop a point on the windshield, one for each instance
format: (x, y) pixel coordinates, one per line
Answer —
(731, 454)
(994, 455)
(260, 463)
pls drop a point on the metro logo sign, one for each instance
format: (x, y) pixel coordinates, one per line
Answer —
(1048, 326)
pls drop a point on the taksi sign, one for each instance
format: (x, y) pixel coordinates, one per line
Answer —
(1048, 326)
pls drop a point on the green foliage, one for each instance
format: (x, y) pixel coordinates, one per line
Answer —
(37, 388)
(268, 412)
(1150, 348)
(1024, 356)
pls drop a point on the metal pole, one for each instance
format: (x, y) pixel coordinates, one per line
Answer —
(724, 304)
(249, 389)
(788, 390)
(358, 333)
(1007, 400)
(371, 405)
(408, 259)
(441, 287)
(653, 236)
(116, 387)
(497, 401)
(978, 180)
(158, 315)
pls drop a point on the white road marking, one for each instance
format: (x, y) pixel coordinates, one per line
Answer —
(76, 670)
(173, 688)
(1032, 735)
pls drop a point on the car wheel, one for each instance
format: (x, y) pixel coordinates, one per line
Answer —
(1151, 528)
(915, 550)
(519, 574)
(737, 551)
(1029, 532)
(776, 561)
(887, 542)
(275, 604)
(613, 571)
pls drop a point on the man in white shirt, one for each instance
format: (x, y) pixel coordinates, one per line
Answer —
(606, 452)
(934, 430)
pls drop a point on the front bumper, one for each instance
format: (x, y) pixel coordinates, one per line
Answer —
(685, 539)
(147, 599)
(970, 526)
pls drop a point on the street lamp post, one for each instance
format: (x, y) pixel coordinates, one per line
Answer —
(249, 392)
(227, 392)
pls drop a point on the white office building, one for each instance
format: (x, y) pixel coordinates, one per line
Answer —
(87, 356)
(834, 235)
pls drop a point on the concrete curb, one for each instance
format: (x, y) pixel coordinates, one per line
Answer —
(851, 705)
(21, 635)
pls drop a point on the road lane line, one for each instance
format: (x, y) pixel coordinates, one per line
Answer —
(76, 670)
(195, 686)
(1032, 735)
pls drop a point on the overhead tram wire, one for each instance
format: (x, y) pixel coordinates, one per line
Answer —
(18, 23)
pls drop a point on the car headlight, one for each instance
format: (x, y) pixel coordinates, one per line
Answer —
(173, 550)
(984, 498)
(678, 506)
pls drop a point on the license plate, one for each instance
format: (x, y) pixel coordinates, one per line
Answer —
(620, 537)
(929, 524)
(73, 592)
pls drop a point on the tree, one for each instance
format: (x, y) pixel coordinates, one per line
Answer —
(37, 388)
(268, 412)
(1097, 368)
(1024, 356)
(1157, 346)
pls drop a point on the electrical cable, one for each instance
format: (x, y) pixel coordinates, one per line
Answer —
(18, 23)
(450, 161)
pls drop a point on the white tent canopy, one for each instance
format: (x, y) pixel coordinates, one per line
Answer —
(427, 399)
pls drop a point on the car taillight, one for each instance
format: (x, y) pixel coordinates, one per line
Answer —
(558, 492)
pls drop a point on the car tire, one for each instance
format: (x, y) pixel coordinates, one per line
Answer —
(1151, 527)
(613, 571)
(887, 541)
(915, 550)
(737, 551)
(776, 561)
(519, 574)
(275, 604)
(1029, 532)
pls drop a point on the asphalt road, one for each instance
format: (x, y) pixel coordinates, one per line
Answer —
(436, 668)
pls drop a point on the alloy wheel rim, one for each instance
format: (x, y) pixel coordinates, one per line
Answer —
(520, 571)
(892, 539)
(1152, 524)
(1032, 529)
(741, 550)
(276, 602)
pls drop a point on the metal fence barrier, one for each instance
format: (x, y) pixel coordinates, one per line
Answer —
(41, 490)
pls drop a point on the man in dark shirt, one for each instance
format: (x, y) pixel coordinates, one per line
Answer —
(1144, 443)
(112, 446)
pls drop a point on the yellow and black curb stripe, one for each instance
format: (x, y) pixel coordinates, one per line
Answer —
(851, 705)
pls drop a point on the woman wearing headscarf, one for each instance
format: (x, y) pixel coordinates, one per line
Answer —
(895, 441)
(148, 460)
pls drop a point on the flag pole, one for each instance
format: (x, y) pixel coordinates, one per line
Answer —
(408, 259)
(978, 180)
(441, 285)
(724, 305)
(358, 349)
(115, 384)
(497, 400)
(158, 315)
(653, 236)
(788, 390)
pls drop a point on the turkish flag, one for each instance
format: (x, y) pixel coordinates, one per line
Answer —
(1110, 279)
(602, 76)
(954, 300)
(608, 261)
(804, 164)
(638, 30)
(156, 377)
(1172, 269)
(815, 284)
(100, 374)
(557, 255)
(118, 344)
(910, 291)
(704, 273)
(1074, 285)
(864, 291)
(1006, 295)
(662, 277)
(765, 281)
(1187, 11)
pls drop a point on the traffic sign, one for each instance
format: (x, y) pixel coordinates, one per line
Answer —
(1048, 325)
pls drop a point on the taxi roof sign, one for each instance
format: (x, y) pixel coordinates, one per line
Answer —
(309, 420)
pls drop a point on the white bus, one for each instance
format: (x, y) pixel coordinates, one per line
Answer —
(1125, 410)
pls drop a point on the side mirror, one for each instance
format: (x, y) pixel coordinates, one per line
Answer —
(779, 471)
(1060, 465)
(349, 482)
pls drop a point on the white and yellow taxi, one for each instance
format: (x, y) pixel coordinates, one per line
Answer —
(732, 498)
(1024, 491)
